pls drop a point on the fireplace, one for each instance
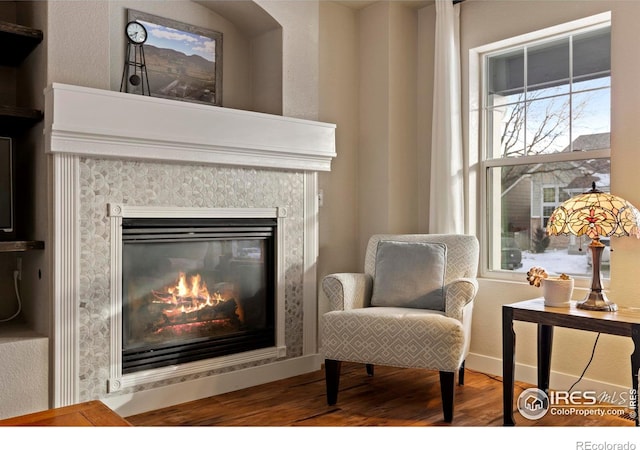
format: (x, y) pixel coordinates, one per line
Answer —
(195, 289)
(179, 160)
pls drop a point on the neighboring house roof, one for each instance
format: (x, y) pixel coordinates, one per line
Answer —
(588, 142)
(587, 171)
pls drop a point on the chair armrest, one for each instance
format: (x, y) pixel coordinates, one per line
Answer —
(347, 290)
(458, 294)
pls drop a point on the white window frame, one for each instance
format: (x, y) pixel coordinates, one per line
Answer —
(479, 165)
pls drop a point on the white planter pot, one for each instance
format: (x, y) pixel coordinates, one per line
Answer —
(556, 291)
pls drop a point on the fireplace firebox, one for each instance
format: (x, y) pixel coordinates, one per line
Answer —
(194, 289)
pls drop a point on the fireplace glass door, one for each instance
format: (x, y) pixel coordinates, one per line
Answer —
(196, 288)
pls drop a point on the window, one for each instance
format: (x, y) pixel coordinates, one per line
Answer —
(545, 134)
(552, 197)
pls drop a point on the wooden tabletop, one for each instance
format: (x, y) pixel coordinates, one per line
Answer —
(619, 322)
(89, 414)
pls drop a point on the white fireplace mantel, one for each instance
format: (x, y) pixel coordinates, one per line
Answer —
(100, 123)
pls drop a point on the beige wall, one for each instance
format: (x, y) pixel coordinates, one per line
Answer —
(300, 76)
(388, 170)
(338, 102)
(266, 72)
(426, 55)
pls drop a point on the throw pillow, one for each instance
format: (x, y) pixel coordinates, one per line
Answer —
(410, 275)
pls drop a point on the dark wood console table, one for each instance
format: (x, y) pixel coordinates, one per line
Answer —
(624, 322)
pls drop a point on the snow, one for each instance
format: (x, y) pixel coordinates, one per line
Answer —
(556, 262)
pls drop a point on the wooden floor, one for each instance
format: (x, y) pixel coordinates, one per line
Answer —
(88, 414)
(392, 397)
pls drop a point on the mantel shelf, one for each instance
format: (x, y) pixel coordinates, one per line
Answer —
(98, 123)
(20, 246)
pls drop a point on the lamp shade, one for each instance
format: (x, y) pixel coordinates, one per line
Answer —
(595, 213)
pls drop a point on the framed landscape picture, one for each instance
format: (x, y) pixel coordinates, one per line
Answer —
(184, 62)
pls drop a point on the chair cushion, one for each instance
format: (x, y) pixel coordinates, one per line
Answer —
(410, 275)
(399, 337)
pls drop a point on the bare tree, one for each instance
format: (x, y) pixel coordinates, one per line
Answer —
(552, 127)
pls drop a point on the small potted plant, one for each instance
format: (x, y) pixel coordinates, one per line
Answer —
(556, 290)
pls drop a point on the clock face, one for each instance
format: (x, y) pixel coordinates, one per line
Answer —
(136, 32)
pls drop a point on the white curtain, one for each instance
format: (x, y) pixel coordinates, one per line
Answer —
(446, 213)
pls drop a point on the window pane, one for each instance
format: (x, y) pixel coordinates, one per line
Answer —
(592, 53)
(580, 84)
(540, 93)
(519, 203)
(591, 120)
(548, 64)
(548, 125)
(549, 195)
(506, 131)
(506, 73)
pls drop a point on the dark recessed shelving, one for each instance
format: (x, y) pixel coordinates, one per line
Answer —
(14, 120)
(20, 246)
(17, 42)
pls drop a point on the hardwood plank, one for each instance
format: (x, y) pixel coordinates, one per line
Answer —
(88, 414)
(394, 397)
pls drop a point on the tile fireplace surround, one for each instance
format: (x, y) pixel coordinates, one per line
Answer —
(146, 155)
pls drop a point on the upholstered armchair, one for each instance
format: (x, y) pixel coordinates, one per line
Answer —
(411, 307)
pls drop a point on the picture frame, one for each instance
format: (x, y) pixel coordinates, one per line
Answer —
(183, 62)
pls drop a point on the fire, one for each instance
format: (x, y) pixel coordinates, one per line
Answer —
(189, 300)
(196, 289)
(188, 294)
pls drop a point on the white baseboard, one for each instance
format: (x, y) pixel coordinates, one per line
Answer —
(149, 400)
(529, 374)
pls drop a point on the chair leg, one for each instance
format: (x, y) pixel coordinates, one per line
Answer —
(369, 369)
(447, 391)
(332, 379)
(461, 375)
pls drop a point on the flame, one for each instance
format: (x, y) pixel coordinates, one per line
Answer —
(188, 295)
(187, 299)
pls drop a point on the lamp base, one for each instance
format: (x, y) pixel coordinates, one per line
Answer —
(597, 301)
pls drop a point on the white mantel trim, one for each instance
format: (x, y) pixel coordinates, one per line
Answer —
(109, 124)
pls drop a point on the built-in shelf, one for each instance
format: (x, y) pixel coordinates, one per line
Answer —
(20, 246)
(15, 120)
(17, 41)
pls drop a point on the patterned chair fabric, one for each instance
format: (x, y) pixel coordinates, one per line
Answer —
(355, 331)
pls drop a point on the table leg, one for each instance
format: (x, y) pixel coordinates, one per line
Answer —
(545, 339)
(635, 365)
(508, 353)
